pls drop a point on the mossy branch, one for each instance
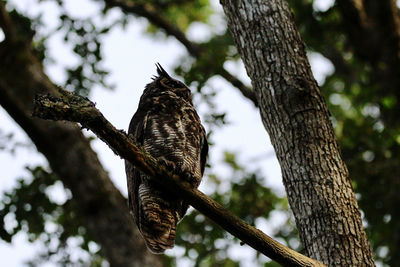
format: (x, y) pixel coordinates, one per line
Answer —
(71, 107)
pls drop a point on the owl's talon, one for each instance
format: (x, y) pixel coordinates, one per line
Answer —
(177, 169)
(188, 177)
(169, 165)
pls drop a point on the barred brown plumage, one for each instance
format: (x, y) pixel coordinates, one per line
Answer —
(168, 127)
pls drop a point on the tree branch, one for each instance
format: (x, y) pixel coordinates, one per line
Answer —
(78, 109)
(154, 16)
(149, 12)
(5, 23)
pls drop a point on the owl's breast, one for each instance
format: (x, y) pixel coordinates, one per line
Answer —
(173, 131)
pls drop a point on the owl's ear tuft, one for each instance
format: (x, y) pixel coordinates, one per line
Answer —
(161, 72)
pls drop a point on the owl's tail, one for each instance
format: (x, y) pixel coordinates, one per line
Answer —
(158, 218)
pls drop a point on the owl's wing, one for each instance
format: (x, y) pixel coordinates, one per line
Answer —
(136, 133)
(203, 158)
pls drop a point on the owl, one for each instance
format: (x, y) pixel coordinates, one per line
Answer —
(167, 126)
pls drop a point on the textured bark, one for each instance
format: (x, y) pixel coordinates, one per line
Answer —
(70, 156)
(296, 117)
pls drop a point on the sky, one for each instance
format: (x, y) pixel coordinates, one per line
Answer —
(130, 56)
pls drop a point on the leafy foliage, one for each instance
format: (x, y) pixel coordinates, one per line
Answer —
(85, 35)
(180, 13)
(29, 208)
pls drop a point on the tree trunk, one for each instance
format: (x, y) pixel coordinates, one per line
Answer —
(70, 156)
(296, 117)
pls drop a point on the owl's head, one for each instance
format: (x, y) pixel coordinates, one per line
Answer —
(164, 82)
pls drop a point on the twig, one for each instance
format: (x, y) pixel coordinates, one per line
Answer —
(5, 23)
(149, 12)
(78, 109)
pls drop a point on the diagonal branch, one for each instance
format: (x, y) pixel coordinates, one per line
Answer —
(78, 109)
(151, 13)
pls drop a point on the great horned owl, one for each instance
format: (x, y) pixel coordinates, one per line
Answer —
(168, 127)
